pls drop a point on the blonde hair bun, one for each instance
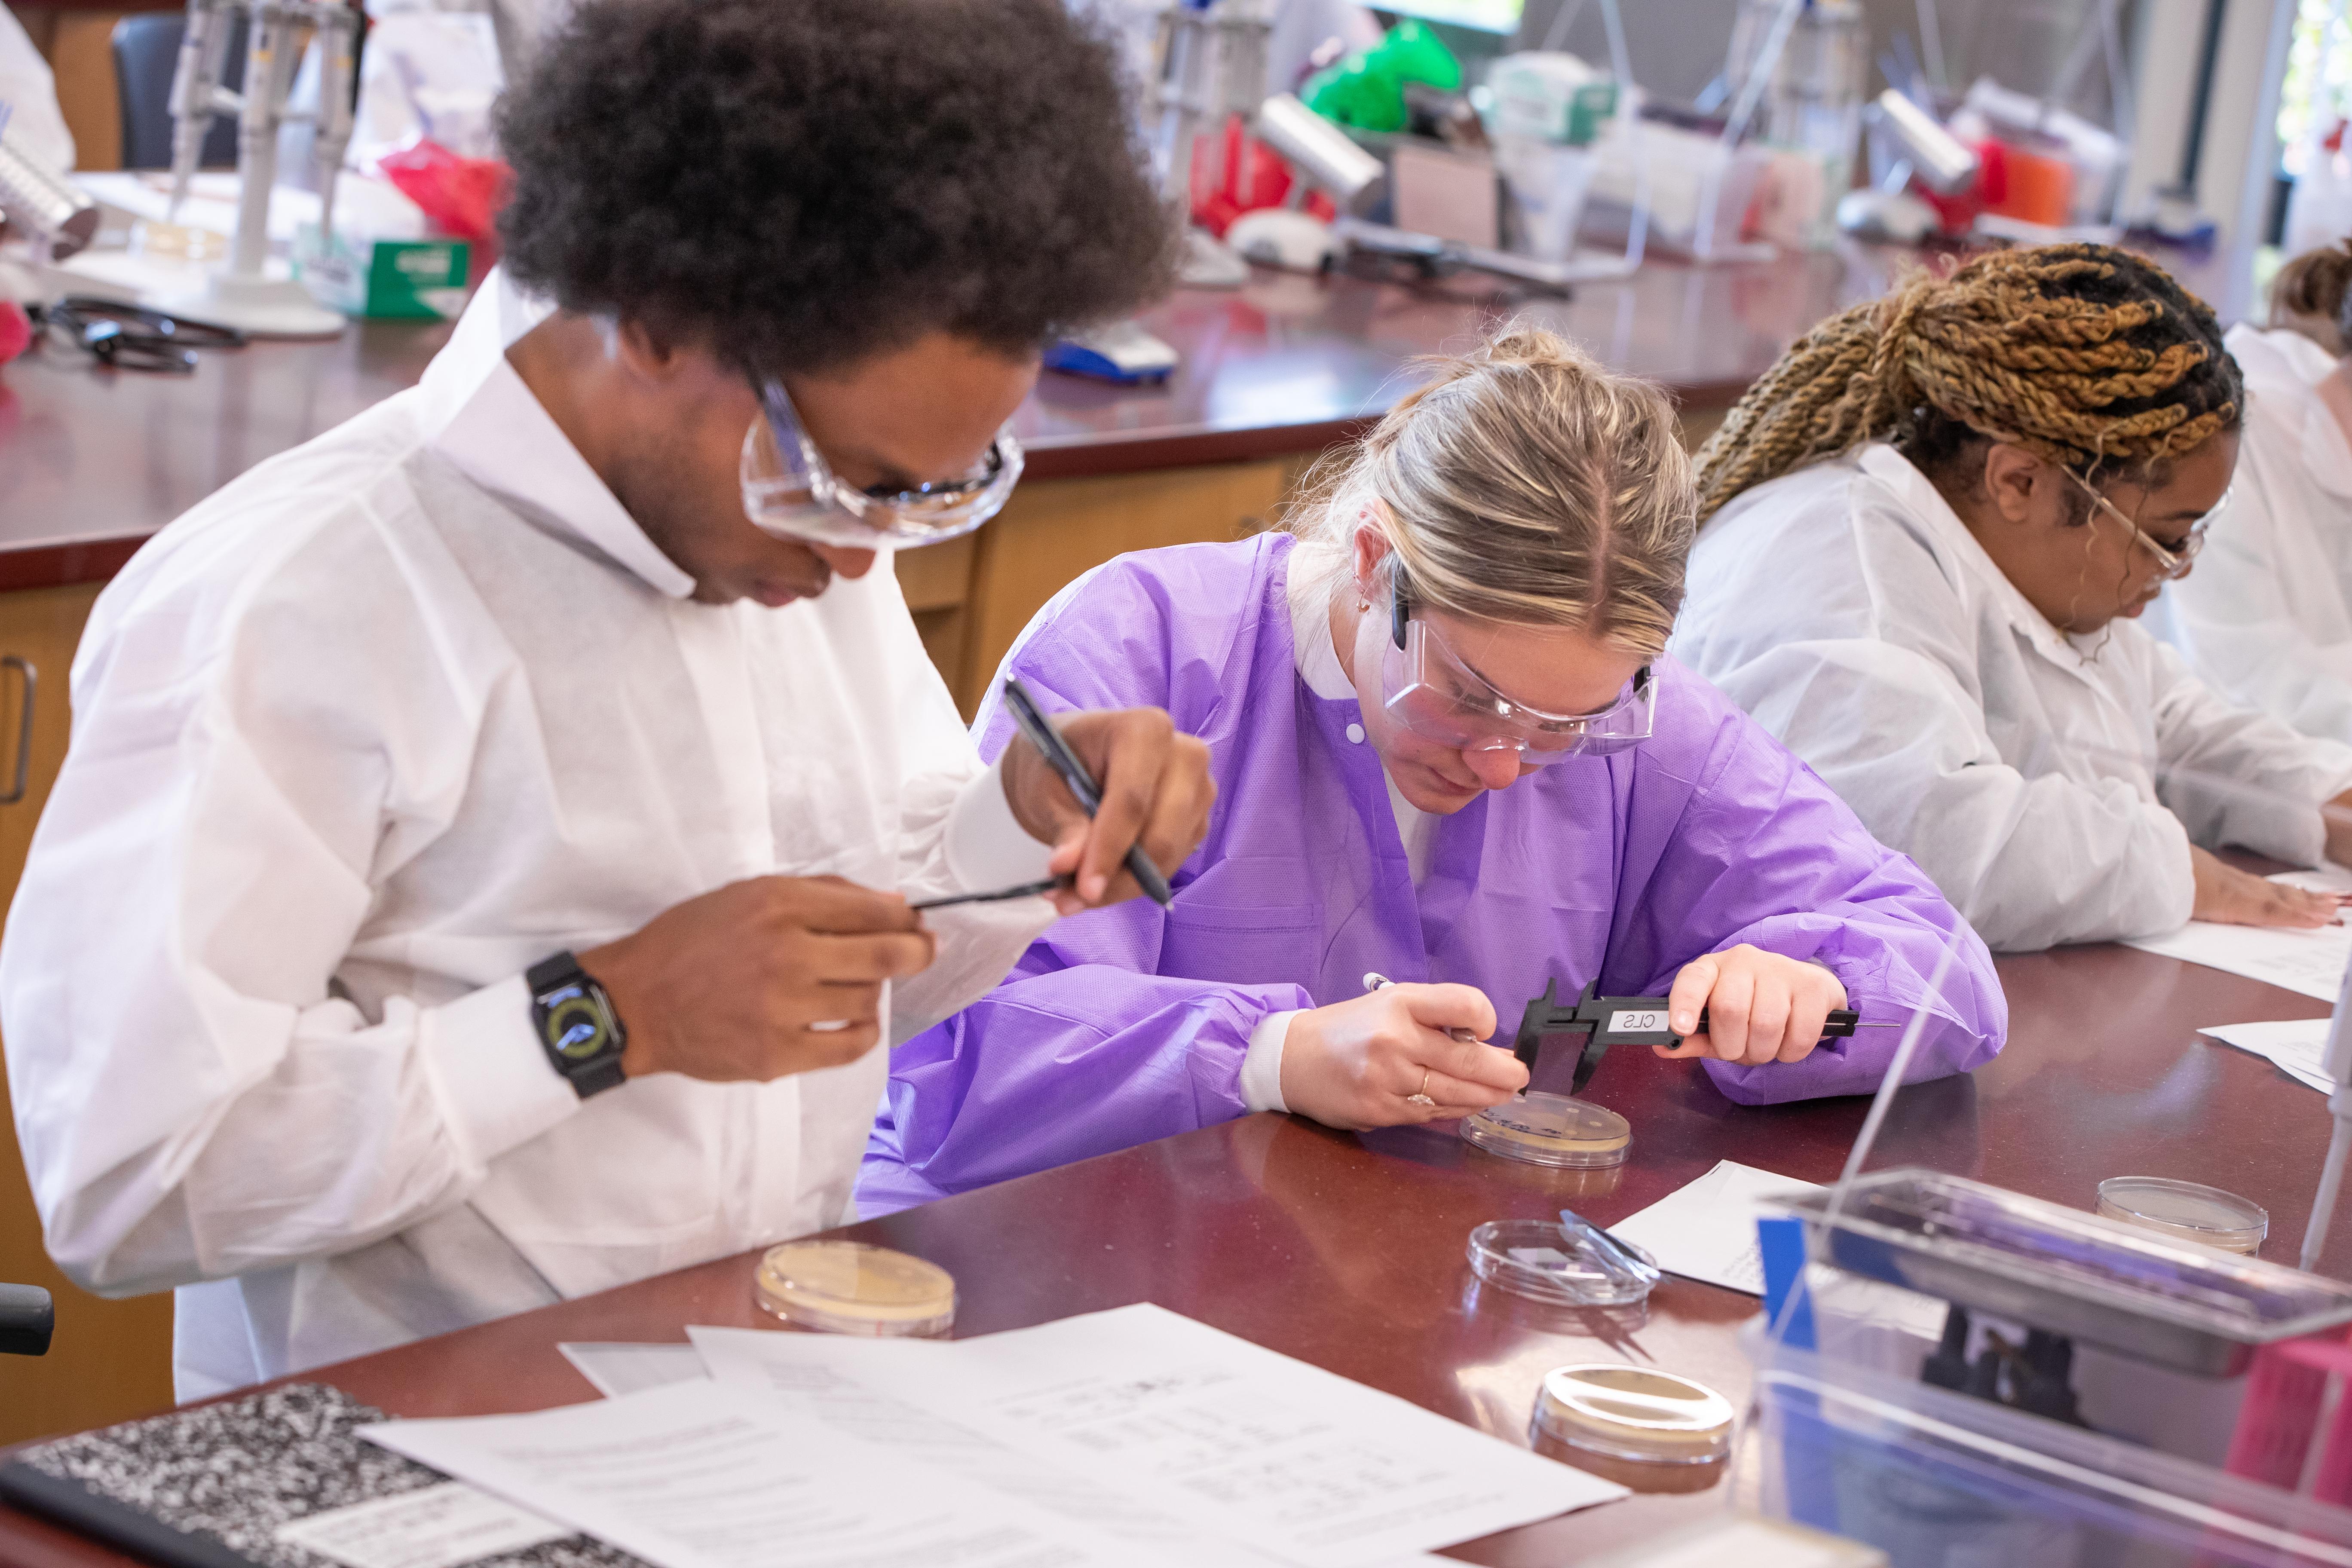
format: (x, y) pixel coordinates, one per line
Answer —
(1524, 482)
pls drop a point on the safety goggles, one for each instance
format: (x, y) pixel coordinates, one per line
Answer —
(790, 491)
(131, 337)
(2172, 561)
(1427, 688)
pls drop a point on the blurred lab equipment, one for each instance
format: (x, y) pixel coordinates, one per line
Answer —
(1121, 352)
(132, 337)
(40, 200)
(27, 1318)
(1795, 70)
(1211, 67)
(246, 294)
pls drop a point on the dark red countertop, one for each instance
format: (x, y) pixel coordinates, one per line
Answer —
(93, 460)
(1347, 1250)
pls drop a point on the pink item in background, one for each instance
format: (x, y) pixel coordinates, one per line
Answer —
(460, 196)
(15, 331)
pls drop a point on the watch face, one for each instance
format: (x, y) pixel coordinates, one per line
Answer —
(576, 1024)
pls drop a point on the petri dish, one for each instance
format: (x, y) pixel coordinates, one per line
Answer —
(1550, 1130)
(849, 1287)
(1539, 1259)
(1634, 1412)
(2186, 1211)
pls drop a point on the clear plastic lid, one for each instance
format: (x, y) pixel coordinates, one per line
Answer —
(2188, 1211)
(849, 1287)
(1563, 1264)
(1550, 1130)
(1634, 1412)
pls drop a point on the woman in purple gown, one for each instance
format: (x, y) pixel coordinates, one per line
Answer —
(1449, 748)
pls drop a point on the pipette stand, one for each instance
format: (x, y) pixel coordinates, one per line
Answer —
(1211, 66)
(246, 294)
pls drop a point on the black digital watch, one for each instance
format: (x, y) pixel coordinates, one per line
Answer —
(582, 1036)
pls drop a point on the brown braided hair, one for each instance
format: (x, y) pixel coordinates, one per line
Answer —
(2083, 354)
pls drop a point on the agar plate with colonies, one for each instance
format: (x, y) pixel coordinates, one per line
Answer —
(1550, 1130)
(849, 1287)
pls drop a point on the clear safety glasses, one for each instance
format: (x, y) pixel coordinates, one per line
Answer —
(790, 491)
(2175, 560)
(1428, 690)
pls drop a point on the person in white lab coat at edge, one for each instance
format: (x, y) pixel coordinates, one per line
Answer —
(1926, 533)
(2267, 617)
(506, 716)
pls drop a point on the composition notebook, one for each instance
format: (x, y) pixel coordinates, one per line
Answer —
(224, 1485)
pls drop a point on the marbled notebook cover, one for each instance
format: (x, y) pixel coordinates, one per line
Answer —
(209, 1488)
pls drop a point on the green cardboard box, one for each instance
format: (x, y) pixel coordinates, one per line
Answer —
(385, 279)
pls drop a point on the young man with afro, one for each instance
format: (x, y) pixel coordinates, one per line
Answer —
(480, 872)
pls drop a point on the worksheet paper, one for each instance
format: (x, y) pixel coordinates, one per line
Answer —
(614, 1367)
(2294, 1046)
(701, 1475)
(433, 1526)
(1706, 1231)
(1187, 1424)
(2310, 962)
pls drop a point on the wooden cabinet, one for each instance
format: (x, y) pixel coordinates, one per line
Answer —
(110, 1359)
(1051, 531)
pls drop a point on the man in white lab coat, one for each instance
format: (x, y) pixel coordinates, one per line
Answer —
(476, 878)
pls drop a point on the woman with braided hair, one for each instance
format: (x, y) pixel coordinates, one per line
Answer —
(1449, 748)
(1925, 536)
(2267, 619)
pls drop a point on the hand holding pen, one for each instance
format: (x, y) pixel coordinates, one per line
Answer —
(1120, 794)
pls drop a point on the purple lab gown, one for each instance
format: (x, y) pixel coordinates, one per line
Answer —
(1127, 1024)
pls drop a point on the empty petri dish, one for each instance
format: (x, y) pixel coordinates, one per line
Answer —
(1634, 1413)
(2186, 1211)
(1544, 1261)
(1550, 1130)
(849, 1287)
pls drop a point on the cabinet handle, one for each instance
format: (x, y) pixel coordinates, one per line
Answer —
(24, 728)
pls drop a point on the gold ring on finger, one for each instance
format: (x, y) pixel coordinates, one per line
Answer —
(1420, 1096)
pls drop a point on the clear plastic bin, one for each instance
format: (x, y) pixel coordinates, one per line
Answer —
(1937, 1479)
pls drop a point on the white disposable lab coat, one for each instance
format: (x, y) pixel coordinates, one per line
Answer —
(37, 124)
(2266, 617)
(356, 742)
(1851, 611)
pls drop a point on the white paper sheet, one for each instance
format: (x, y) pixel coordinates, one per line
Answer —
(1706, 1231)
(615, 1368)
(699, 1475)
(431, 1527)
(2309, 961)
(2295, 1045)
(1188, 1423)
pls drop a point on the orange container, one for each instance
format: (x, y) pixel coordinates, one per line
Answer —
(2035, 187)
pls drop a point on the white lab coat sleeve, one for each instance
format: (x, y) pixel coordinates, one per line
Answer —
(2237, 776)
(2030, 862)
(2232, 617)
(958, 835)
(192, 1096)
